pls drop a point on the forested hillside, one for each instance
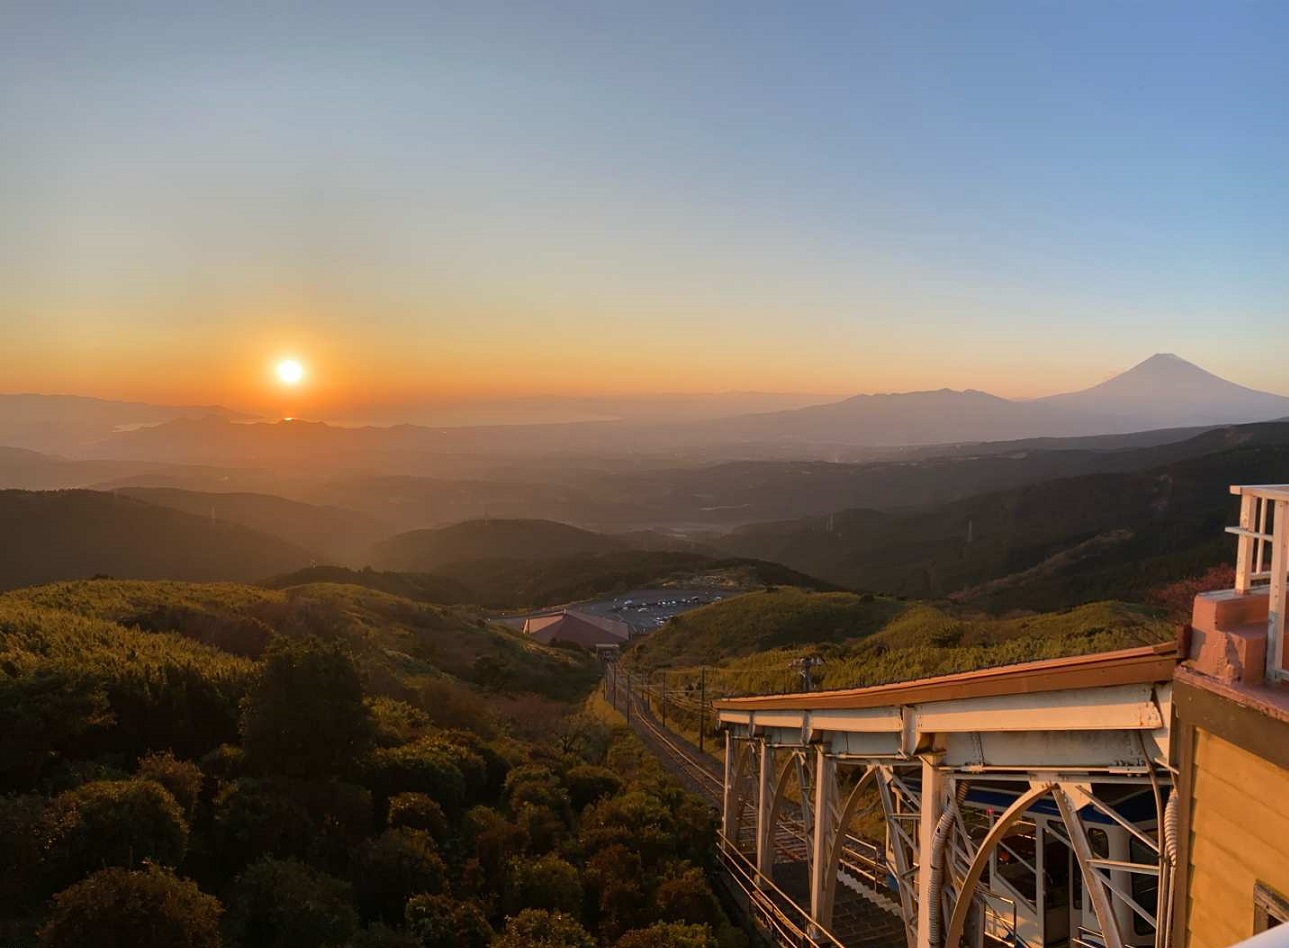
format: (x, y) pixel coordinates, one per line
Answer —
(423, 551)
(76, 534)
(333, 533)
(748, 643)
(323, 766)
(1044, 546)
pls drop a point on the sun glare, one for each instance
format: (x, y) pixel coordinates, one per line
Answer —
(290, 372)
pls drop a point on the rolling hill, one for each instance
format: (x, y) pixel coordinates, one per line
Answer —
(340, 535)
(77, 534)
(748, 642)
(1044, 545)
(424, 551)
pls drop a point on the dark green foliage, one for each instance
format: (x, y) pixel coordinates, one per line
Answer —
(419, 812)
(491, 840)
(224, 764)
(393, 867)
(182, 778)
(619, 889)
(428, 766)
(120, 908)
(685, 896)
(256, 818)
(669, 935)
(589, 784)
(636, 819)
(419, 587)
(43, 713)
(235, 634)
(285, 904)
(537, 928)
(306, 716)
(72, 686)
(535, 786)
(112, 823)
(397, 722)
(760, 621)
(318, 821)
(275, 824)
(548, 882)
(439, 921)
(380, 935)
(22, 838)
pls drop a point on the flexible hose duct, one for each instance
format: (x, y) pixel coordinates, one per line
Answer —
(935, 930)
(1170, 828)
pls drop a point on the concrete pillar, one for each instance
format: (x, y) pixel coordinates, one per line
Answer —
(934, 788)
(825, 828)
(764, 812)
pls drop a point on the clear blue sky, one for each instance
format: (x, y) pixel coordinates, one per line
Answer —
(1020, 197)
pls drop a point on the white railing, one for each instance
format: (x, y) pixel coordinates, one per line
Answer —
(1262, 559)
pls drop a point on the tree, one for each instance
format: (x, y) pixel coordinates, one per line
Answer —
(589, 784)
(669, 935)
(615, 876)
(427, 766)
(43, 711)
(418, 811)
(685, 896)
(122, 908)
(391, 868)
(255, 818)
(305, 716)
(537, 928)
(182, 778)
(546, 883)
(286, 904)
(113, 823)
(439, 921)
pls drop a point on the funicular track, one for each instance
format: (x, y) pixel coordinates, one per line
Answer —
(864, 917)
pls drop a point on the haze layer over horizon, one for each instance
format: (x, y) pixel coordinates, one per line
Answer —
(498, 200)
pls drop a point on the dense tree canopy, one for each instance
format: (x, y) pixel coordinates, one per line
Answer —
(157, 789)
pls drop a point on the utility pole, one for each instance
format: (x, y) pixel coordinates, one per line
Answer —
(628, 697)
(805, 668)
(702, 705)
(664, 699)
(613, 692)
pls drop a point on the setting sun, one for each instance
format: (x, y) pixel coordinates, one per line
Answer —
(290, 372)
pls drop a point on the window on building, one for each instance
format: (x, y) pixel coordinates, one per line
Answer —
(1270, 908)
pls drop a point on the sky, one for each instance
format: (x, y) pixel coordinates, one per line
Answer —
(426, 201)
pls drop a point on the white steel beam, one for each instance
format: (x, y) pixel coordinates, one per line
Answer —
(765, 798)
(824, 829)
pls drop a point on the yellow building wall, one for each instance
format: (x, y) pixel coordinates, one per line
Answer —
(1239, 835)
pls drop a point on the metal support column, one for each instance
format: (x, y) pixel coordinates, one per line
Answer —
(729, 818)
(824, 828)
(934, 788)
(765, 813)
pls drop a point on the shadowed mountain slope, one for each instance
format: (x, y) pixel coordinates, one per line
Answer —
(77, 534)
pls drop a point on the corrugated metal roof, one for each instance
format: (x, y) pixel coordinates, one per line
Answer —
(1151, 663)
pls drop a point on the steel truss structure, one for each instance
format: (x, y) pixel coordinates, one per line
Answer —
(1026, 816)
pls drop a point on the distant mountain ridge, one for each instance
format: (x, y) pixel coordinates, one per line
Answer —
(67, 423)
(1167, 390)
